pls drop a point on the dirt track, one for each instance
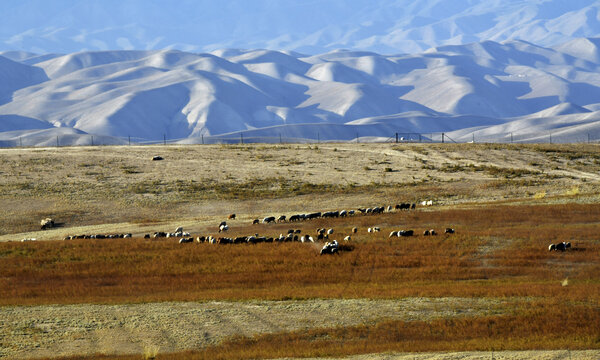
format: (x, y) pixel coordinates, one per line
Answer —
(29, 332)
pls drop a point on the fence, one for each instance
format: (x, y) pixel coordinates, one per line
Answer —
(437, 137)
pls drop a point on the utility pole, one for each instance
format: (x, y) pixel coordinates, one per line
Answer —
(57, 141)
(164, 139)
(242, 138)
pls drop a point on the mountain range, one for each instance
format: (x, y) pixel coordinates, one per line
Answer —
(479, 91)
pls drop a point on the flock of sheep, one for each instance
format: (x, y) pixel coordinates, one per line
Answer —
(292, 234)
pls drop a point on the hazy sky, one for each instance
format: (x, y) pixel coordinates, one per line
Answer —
(303, 25)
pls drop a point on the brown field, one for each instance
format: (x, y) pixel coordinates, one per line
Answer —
(507, 203)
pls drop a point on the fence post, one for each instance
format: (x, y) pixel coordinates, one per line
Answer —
(511, 138)
(164, 139)
(550, 138)
(443, 138)
(202, 139)
(242, 138)
(92, 140)
(21, 141)
(281, 142)
(419, 138)
(129, 137)
(396, 138)
(473, 137)
(588, 137)
(57, 141)
(318, 138)
(357, 138)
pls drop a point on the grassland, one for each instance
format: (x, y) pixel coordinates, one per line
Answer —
(506, 202)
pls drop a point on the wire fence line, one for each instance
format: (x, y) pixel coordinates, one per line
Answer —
(434, 137)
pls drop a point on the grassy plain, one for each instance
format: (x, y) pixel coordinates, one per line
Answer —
(506, 202)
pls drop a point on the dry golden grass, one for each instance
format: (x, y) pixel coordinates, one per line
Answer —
(98, 185)
(541, 326)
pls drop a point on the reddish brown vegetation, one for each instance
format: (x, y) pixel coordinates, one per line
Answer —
(497, 251)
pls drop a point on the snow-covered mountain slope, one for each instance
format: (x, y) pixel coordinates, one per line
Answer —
(488, 88)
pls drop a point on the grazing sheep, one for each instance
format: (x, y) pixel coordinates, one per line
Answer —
(403, 233)
(551, 247)
(426, 233)
(281, 218)
(348, 238)
(330, 248)
(320, 236)
(179, 229)
(351, 212)
(46, 223)
(330, 214)
(314, 215)
(186, 240)
(28, 239)
(255, 221)
(223, 228)
(432, 232)
(354, 230)
(394, 234)
(268, 219)
(329, 231)
(200, 239)
(343, 213)
(320, 231)
(449, 231)
(561, 246)
(307, 238)
(231, 217)
(156, 158)
(376, 229)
